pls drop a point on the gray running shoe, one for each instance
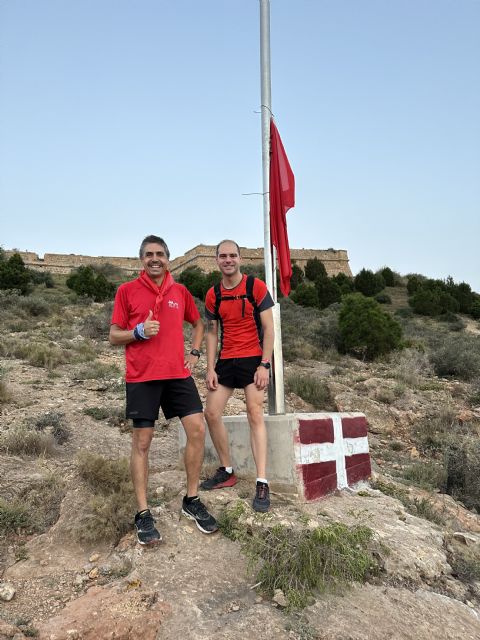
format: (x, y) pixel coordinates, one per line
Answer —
(261, 501)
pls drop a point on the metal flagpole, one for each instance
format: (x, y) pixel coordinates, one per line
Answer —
(276, 393)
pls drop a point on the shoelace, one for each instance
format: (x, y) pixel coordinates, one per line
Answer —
(220, 474)
(262, 491)
(146, 523)
(200, 509)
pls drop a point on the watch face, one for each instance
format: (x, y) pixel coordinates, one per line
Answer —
(265, 364)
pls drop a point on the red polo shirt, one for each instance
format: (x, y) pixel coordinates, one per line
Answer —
(161, 357)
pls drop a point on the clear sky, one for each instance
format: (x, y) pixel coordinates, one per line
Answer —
(120, 118)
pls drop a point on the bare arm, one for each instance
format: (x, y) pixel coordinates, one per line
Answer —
(262, 375)
(118, 336)
(266, 318)
(197, 337)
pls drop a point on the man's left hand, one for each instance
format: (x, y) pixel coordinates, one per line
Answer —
(261, 377)
(190, 361)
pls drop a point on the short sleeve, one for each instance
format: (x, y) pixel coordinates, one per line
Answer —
(210, 305)
(120, 309)
(191, 313)
(261, 295)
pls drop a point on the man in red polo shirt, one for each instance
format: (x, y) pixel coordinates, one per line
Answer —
(242, 306)
(147, 319)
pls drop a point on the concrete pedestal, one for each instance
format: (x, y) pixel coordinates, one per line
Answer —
(311, 454)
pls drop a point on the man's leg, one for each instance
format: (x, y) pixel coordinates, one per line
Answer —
(194, 450)
(215, 406)
(141, 440)
(192, 507)
(258, 431)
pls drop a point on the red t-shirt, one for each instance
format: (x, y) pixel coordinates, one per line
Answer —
(161, 357)
(239, 320)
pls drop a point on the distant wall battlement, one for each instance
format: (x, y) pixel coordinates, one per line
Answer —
(202, 256)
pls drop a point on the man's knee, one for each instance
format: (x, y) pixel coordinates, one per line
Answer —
(255, 415)
(212, 415)
(141, 441)
(195, 430)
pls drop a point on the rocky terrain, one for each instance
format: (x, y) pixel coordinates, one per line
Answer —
(69, 575)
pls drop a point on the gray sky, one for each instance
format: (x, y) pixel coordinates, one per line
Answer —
(120, 118)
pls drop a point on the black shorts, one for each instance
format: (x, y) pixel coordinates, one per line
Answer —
(177, 397)
(237, 373)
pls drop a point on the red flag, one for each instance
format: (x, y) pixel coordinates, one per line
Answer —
(282, 198)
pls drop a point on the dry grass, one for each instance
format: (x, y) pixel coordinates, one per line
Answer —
(109, 512)
(25, 442)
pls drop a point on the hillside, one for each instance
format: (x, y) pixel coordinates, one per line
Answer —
(66, 545)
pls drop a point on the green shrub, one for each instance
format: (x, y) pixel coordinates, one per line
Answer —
(328, 291)
(462, 462)
(97, 324)
(344, 282)
(14, 275)
(314, 391)
(383, 298)
(475, 309)
(55, 422)
(297, 276)
(193, 278)
(365, 330)
(302, 561)
(326, 331)
(43, 499)
(314, 269)
(86, 282)
(458, 357)
(14, 516)
(306, 295)
(414, 282)
(368, 283)
(388, 276)
(299, 330)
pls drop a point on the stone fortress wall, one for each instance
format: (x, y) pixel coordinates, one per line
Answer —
(202, 256)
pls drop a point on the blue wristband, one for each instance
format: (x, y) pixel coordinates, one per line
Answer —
(139, 332)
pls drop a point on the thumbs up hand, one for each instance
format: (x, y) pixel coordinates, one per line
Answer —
(151, 327)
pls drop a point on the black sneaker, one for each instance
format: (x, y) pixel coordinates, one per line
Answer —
(220, 479)
(145, 526)
(261, 501)
(197, 511)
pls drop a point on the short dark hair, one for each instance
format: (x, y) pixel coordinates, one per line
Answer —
(223, 242)
(156, 240)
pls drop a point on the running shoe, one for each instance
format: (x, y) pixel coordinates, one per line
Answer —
(261, 501)
(145, 527)
(220, 479)
(196, 510)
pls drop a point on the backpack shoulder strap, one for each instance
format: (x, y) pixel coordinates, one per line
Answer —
(249, 290)
(218, 297)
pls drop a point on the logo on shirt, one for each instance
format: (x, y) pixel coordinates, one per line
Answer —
(172, 304)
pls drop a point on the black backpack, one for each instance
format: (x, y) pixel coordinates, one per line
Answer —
(248, 295)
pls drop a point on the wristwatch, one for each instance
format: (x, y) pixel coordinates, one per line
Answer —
(195, 352)
(265, 364)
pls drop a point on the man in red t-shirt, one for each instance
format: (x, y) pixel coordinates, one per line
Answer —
(147, 319)
(242, 307)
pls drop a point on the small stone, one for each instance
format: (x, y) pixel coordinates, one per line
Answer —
(94, 573)
(7, 591)
(279, 598)
(258, 600)
(470, 604)
(94, 557)
(466, 538)
(43, 563)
